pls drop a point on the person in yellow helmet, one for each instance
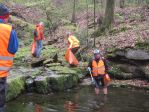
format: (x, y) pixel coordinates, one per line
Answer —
(73, 43)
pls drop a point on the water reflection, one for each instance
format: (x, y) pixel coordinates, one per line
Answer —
(82, 100)
(70, 106)
(38, 108)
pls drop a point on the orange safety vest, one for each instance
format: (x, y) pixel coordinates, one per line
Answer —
(98, 68)
(39, 30)
(74, 40)
(6, 58)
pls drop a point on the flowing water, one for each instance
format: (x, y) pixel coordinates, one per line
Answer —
(83, 100)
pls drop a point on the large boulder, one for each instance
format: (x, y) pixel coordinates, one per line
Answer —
(41, 84)
(137, 54)
(132, 54)
(122, 71)
(15, 87)
(63, 82)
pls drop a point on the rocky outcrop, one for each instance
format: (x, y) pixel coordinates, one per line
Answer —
(132, 54)
(137, 54)
(129, 63)
(41, 80)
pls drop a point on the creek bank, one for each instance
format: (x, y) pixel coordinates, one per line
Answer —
(136, 83)
(41, 80)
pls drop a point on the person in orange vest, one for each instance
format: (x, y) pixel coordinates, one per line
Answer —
(73, 43)
(38, 37)
(9, 46)
(98, 68)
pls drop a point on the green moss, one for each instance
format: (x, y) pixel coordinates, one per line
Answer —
(57, 83)
(120, 17)
(49, 51)
(115, 71)
(20, 55)
(24, 30)
(53, 64)
(63, 82)
(62, 70)
(142, 45)
(15, 87)
(42, 86)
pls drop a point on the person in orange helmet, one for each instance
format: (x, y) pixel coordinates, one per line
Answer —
(9, 46)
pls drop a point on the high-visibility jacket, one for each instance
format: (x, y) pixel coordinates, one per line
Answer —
(73, 42)
(39, 31)
(6, 58)
(98, 68)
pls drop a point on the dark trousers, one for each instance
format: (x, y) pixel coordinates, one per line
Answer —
(2, 93)
(76, 53)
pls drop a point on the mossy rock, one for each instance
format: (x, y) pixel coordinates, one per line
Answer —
(15, 87)
(49, 51)
(42, 85)
(48, 61)
(117, 73)
(63, 70)
(63, 82)
(53, 64)
(21, 55)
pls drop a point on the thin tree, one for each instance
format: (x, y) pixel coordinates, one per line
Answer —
(94, 20)
(109, 14)
(74, 12)
(122, 3)
(87, 21)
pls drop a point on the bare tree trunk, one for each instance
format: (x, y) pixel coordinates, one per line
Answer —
(94, 19)
(87, 20)
(74, 12)
(122, 3)
(109, 14)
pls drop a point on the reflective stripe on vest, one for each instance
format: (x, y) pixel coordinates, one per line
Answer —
(98, 68)
(5, 68)
(75, 41)
(6, 58)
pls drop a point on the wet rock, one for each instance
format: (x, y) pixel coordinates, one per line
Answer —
(41, 84)
(37, 62)
(62, 82)
(29, 84)
(15, 87)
